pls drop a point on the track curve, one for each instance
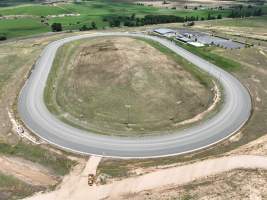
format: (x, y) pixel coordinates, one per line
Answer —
(33, 112)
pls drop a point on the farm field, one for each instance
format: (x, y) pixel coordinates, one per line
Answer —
(128, 98)
(29, 19)
(22, 27)
(255, 22)
(251, 30)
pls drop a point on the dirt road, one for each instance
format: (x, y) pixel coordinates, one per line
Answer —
(75, 186)
(72, 184)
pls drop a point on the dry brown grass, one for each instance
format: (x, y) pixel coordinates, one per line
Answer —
(124, 86)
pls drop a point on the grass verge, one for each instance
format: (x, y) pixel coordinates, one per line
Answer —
(206, 53)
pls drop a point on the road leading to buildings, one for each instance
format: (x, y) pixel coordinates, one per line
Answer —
(233, 115)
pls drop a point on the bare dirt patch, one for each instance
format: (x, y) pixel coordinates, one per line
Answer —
(18, 167)
(123, 86)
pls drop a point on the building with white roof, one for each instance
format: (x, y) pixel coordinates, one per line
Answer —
(165, 32)
(196, 44)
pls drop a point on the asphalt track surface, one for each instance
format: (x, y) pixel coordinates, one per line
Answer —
(233, 115)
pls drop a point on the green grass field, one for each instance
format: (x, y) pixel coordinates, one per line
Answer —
(88, 11)
(32, 9)
(100, 8)
(22, 27)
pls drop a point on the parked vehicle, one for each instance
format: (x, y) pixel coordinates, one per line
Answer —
(91, 179)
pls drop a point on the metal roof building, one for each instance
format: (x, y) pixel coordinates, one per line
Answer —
(164, 31)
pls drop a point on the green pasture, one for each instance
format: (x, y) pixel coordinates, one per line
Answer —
(29, 15)
(22, 27)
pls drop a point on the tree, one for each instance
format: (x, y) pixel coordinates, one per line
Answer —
(114, 23)
(257, 12)
(84, 28)
(93, 25)
(219, 16)
(2, 37)
(209, 16)
(56, 27)
(133, 16)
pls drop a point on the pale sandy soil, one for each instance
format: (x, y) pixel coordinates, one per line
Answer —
(91, 165)
(75, 182)
(27, 171)
(238, 184)
(75, 186)
(257, 147)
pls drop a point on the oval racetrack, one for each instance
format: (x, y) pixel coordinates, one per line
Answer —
(232, 116)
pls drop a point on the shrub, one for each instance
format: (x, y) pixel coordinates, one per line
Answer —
(2, 37)
(56, 27)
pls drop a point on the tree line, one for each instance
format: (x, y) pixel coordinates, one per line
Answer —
(242, 11)
(116, 21)
(132, 20)
(57, 27)
(239, 11)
